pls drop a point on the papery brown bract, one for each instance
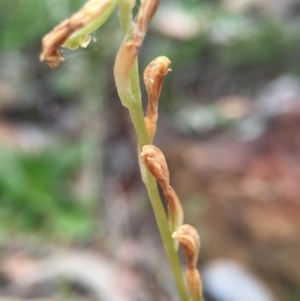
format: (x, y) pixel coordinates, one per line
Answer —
(91, 16)
(190, 242)
(153, 78)
(155, 161)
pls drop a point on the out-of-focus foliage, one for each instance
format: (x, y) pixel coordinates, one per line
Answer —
(24, 22)
(268, 42)
(269, 46)
(37, 191)
(36, 194)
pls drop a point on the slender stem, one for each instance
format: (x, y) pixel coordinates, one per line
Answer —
(137, 118)
(132, 98)
(168, 242)
(125, 14)
(135, 82)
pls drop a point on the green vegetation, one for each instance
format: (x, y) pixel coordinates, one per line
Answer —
(33, 17)
(36, 196)
(269, 46)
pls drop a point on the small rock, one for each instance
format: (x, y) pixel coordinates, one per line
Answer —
(229, 281)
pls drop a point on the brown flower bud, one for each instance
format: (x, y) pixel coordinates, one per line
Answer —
(175, 211)
(190, 242)
(194, 283)
(156, 163)
(153, 77)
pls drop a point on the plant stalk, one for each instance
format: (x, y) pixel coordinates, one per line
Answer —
(132, 98)
(137, 117)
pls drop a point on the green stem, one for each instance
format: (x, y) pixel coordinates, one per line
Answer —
(132, 98)
(137, 117)
(163, 226)
(135, 82)
(125, 14)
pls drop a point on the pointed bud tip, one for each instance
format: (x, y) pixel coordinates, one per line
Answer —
(155, 161)
(186, 231)
(157, 68)
(190, 242)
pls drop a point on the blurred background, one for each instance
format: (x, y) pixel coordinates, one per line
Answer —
(75, 220)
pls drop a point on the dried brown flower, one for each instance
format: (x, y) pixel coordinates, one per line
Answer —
(156, 163)
(190, 242)
(153, 77)
(175, 210)
(194, 283)
(92, 15)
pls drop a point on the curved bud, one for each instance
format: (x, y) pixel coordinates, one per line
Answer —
(194, 283)
(153, 77)
(156, 163)
(74, 32)
(175, 211)
(190, 242)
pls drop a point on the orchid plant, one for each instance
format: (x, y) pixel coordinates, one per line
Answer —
(75, 32)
